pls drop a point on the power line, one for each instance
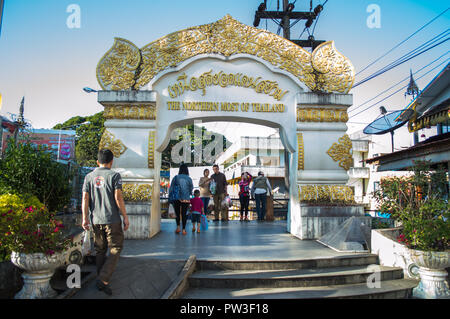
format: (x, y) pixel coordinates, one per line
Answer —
(388, 89)
(396, 91)
(317, 19)
(400, 61)
(425, 44)
(315, 23)
(302, 32)
(421, 28)
(405, 57)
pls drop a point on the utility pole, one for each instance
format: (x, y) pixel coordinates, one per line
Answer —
(286, 16)
(286, 20)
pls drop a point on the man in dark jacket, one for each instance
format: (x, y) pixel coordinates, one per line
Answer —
(219, 195)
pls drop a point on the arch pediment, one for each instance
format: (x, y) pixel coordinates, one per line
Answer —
(126, 67)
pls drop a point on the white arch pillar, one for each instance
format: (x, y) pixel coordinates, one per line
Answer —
(130, 131)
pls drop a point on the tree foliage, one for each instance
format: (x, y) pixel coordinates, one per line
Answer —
(206, 137)
(25, 169)
(89, 130)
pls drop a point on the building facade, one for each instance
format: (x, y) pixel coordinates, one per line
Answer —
(428, 116)
(364, 178)
(253, 154)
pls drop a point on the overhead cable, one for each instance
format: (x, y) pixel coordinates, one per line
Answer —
(406, 55)
(388, 89)
(403, 87)
(402, 60)
(399, 44)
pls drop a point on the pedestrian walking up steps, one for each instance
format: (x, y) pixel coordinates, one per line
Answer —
(354, 276)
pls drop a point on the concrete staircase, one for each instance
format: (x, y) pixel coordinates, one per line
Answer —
(335, 277)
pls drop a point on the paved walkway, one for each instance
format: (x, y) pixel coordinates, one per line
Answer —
(147, 268)
(233, 240)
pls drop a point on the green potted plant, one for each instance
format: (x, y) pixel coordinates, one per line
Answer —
(35, 241)
(32, 187)
(420, 204)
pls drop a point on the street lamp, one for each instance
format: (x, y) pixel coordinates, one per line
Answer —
(89, 90)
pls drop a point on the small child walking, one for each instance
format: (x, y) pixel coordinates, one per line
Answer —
(196, 210)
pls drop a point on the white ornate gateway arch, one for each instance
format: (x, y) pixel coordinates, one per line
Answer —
(227, 71)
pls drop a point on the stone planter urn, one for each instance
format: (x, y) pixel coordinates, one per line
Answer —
(38, 270)
(432, 264)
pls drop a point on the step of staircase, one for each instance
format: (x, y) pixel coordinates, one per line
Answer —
(389, 289)
(290, 277)
(338, 261)
(330, 277)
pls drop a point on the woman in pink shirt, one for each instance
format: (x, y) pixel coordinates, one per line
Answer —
(244, 194)
(196, 210)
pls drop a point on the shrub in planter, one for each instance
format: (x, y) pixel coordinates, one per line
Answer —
(29, 231)
(380, 223)
(420, 204)
(10, 205)
(26, 226)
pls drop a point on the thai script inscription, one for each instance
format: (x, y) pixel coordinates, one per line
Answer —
(184, 83)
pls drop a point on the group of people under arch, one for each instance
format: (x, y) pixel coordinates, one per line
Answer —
(182, 196)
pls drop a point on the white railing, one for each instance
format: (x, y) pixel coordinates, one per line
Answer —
(269, 171)
(359, 172)
(272, 171)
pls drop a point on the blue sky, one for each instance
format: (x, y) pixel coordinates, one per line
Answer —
(49, 63)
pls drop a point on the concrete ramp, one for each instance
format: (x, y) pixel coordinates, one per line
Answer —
(350, 236)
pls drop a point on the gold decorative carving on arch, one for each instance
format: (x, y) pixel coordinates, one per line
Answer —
(130, 112)
(320, 114)
(126, 67)
(151, 149)
(117, 68)
(342, 152)
(301, 152)
(137, 192)
(109, 141)
(326, 193)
